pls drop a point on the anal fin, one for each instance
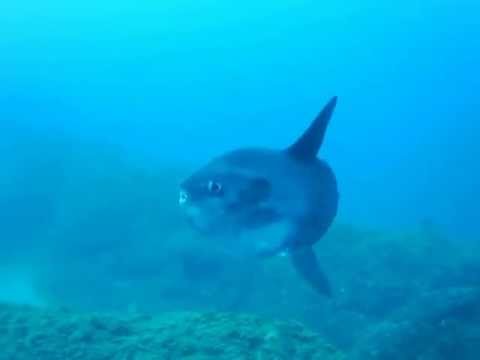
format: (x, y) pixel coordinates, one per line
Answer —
(305, 262)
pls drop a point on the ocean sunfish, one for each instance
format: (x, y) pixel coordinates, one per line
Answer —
(253, 188)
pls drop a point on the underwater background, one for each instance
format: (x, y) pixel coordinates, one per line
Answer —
(105, 106)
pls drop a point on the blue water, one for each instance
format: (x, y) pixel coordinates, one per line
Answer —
(183, 80)
(173, 83)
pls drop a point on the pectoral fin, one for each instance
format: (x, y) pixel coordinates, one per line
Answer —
(306, 264)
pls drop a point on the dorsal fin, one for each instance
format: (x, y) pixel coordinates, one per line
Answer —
(307, 146)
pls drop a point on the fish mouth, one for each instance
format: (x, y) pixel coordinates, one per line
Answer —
(192, 213)
(183, 197)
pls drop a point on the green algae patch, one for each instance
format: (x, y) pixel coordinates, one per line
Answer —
(28, 333)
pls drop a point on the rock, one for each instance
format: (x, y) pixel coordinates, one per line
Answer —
(30, 333)
(438, 325)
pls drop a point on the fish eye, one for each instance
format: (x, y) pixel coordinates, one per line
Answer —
(214, 187)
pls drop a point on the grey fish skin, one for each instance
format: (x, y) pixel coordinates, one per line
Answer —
(249, 189)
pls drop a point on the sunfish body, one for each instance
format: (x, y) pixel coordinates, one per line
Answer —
(250, 189)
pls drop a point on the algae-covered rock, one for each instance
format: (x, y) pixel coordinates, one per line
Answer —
(28, 333)
(437, 325)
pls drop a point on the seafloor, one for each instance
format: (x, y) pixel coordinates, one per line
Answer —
(27, 333)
